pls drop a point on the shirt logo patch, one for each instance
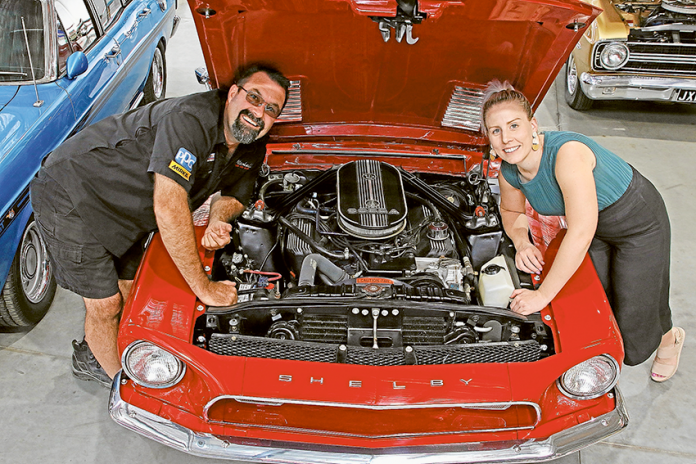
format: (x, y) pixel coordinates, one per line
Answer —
(179, 169)
(186, 159)
(244, 165)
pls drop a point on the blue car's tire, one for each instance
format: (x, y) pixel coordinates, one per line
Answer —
(156, 84)
(30, 285)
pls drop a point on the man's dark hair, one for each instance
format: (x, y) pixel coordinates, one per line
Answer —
(243, 73)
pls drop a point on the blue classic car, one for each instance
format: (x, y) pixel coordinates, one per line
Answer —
(63, 65)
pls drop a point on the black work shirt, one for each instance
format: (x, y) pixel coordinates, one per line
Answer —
(107, 168)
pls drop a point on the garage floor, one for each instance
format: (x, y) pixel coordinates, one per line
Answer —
(49, 417)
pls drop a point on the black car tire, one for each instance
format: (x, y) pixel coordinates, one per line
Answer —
(156, 84)
(574, 95)
(30, 285)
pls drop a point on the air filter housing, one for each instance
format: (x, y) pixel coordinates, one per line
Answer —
(371, 200)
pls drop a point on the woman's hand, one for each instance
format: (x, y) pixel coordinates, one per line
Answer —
(528, 301)
(529, 259)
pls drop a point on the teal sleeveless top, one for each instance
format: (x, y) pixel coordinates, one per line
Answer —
(612, 175)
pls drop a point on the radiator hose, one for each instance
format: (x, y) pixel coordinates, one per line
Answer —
(328, 271)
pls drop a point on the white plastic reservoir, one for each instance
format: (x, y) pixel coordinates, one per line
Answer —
(495, 283)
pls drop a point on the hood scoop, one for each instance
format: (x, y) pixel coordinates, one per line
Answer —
(371, 200)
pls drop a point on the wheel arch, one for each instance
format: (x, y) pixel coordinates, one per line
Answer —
(10, 240)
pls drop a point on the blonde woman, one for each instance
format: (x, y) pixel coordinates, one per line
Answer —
(611, 210)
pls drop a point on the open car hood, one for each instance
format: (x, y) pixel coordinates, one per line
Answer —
(346, 74)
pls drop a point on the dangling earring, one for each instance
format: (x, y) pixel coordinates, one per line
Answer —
(535, 141)
(491, 154)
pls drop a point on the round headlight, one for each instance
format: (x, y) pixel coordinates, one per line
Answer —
(151, 366)
(590, 379)
(613, 56)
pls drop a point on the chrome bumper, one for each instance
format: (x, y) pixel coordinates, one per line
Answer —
(206, 445)
(628, 87)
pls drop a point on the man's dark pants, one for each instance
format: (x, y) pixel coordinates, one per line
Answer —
(80, 263)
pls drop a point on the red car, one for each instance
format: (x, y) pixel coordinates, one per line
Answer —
(373, 271)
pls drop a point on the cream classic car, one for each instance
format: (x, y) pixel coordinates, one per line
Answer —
(635, 50)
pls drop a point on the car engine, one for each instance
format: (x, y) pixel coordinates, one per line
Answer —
(660, 21)
(367, 263)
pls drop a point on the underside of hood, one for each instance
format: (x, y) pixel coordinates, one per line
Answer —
(386, 63)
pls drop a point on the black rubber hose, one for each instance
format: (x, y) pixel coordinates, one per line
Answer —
(314, 263)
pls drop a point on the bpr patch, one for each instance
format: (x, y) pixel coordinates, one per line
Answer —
(185, 159)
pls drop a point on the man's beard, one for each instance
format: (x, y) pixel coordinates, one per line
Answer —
(242, 131)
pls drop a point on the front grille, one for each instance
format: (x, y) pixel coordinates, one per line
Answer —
(503, 352)
(257, 347)
(656, 58)
(372, 421)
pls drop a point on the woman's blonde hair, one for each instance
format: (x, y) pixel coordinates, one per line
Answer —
(500, 92)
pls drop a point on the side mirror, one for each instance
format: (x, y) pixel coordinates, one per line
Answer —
(203, 77)
(76, 65)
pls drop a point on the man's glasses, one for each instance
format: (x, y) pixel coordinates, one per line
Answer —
(256, 100)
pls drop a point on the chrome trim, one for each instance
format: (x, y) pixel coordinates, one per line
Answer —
(657, 58)
(137, 101)
(671, 27)
(292, 111)
(175, 25)
(594, 55)
(493, 406)
(464, 109)
(632, 65)
(207, 445)
(129, 373)
(623, 62)
(35, 273)
(334, 434)
(617, 373)
(630, 87)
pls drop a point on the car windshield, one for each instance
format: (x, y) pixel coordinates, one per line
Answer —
(14, 52)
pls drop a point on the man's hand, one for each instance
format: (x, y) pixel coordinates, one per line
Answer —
(217, 235)
(528, 301)
(529, 259)
(223, 293)
(176, 227)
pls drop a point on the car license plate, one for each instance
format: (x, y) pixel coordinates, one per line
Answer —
(686, 96)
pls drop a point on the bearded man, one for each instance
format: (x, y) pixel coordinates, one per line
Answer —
(99, 195)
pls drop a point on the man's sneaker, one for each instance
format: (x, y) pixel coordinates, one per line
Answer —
(85, 366)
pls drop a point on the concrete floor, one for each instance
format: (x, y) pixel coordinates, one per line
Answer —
(49, 417)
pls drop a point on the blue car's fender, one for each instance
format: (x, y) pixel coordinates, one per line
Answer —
(27, 134)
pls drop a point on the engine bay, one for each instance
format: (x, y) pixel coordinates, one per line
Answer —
(660, 21)
(367, 263)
